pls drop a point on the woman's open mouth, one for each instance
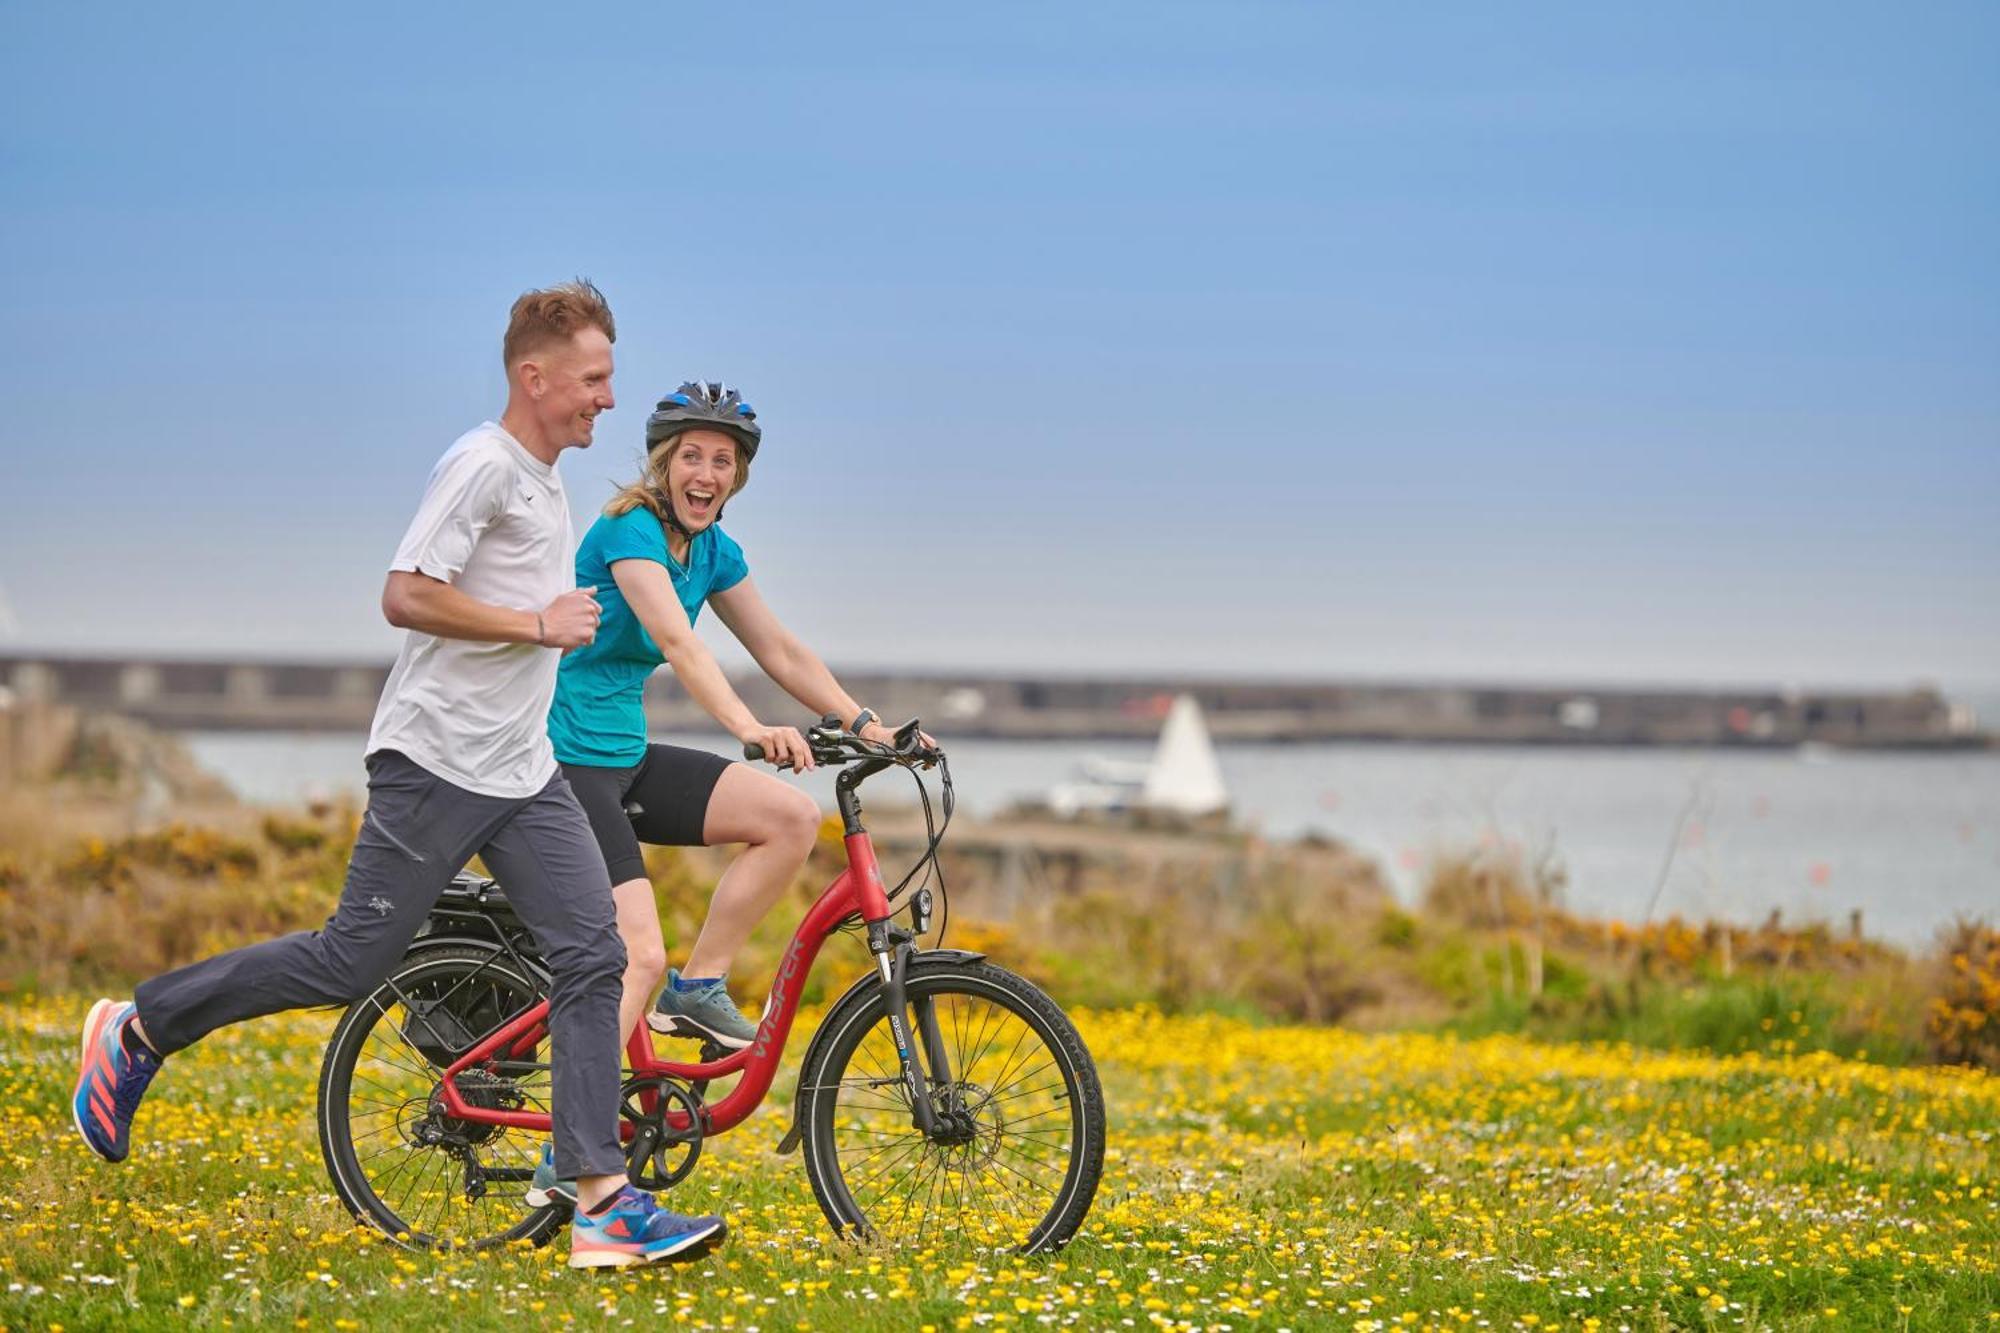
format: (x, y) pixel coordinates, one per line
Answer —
(699, 503)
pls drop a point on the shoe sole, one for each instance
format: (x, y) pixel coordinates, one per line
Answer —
(685, 1250)
(675, 1025)
(90, 1030)
(541, 1198)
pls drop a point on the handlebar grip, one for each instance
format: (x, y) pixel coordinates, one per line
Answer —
(753, 751)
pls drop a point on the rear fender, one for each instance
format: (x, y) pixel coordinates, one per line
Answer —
(474, 941)
(790, 1143)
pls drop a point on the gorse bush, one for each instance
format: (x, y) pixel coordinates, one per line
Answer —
(1307, 934)
(1964, 1018)
(176, 848)
(109, 911)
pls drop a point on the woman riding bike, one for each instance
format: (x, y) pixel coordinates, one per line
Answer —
(655, 557)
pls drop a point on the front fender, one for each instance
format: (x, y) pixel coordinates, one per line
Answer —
(790, 1143)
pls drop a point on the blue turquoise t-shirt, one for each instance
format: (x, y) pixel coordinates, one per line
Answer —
(599, 714)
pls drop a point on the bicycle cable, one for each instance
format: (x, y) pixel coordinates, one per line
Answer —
(927, 860)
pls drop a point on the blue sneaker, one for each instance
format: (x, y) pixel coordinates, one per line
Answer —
(546, 1188)
(636, 1230)
(110, 1081)
(706, 1011)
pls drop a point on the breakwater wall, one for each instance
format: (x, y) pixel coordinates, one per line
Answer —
(243, 694)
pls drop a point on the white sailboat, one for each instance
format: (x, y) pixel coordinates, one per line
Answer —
(1183, 777)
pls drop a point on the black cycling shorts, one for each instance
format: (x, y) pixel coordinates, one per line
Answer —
(671, 786)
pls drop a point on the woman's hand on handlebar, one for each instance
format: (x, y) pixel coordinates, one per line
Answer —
(783, 747)
(882, 735)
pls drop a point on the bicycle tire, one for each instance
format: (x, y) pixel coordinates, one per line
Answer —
(1026, 1178)
(373, 1083)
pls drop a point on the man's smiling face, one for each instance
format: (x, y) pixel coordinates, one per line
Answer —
(575, 385)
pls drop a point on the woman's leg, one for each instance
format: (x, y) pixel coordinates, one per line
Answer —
(779, 824)
(645, 953)
(601, 792)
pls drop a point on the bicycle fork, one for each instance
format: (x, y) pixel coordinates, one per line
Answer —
(893, 950)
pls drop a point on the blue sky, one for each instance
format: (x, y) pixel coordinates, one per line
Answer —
(1563, 341)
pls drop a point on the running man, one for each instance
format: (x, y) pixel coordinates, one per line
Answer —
(459, 762)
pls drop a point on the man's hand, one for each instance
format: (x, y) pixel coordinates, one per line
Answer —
(570, 621)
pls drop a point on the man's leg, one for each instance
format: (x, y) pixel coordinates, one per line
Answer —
(416, 833)
(555, 878)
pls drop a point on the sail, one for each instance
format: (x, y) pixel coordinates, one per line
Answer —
(1184, 776)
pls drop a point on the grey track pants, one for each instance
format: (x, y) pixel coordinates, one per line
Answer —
(418, 831)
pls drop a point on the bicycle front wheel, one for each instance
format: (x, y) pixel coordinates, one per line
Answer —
(397, 1160)
(1019, 1145)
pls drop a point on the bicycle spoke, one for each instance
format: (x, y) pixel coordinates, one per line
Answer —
(990, 1026)
(862, 1162)
(416, 1188)
(1000, 1079)
(895, 1163)
(1023, 1076)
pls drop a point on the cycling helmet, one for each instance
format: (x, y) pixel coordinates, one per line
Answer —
(714, 406)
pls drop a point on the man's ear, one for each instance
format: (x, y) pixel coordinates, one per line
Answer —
(528, 375)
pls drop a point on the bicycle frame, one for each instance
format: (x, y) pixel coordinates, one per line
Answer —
(858, 888)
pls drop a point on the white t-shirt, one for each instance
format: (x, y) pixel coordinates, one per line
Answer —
(494, 522)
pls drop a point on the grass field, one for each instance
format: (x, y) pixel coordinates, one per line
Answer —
(1258, 1178)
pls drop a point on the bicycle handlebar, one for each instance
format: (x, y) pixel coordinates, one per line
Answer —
(832, 746)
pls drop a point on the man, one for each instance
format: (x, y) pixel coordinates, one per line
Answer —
(459, 762)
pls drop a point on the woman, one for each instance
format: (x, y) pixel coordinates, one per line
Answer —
(654, 558)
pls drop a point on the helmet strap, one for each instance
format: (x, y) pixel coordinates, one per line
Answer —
(669, 517)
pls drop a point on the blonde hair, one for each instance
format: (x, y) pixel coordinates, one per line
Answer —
(551, 314)
(650, 490)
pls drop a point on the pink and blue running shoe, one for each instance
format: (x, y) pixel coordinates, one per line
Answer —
(110, 1080)
(636, 1230)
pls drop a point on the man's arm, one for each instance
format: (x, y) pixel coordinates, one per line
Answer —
(432, 606)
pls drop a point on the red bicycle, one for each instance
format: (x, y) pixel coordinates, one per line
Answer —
(940, 1091)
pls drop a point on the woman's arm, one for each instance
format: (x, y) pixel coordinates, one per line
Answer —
(786, 660)
(650, 594)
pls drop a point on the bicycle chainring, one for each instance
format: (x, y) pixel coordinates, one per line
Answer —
(660, 1153)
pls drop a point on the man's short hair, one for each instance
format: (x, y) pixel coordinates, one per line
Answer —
(551, 315)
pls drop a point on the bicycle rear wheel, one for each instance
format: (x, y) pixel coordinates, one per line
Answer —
(1017, 1167)
(399, 1163)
